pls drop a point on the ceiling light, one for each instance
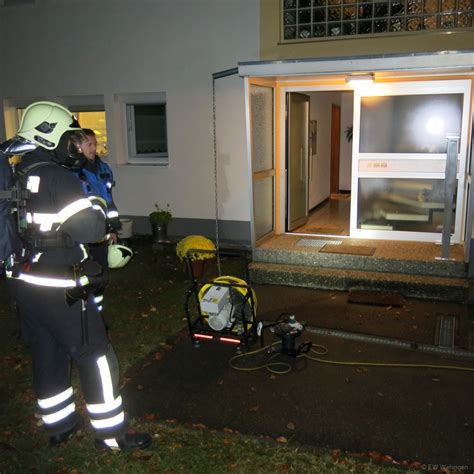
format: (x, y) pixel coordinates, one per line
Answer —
(360, 78)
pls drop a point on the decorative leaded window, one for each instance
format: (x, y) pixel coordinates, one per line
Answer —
(307, 19)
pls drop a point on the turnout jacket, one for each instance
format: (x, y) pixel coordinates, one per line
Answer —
(60, 219)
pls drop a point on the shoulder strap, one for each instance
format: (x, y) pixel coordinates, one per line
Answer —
(33, 166)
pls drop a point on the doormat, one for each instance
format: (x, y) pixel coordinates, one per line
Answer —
(317, 242)
(375, 298)
(349, 250)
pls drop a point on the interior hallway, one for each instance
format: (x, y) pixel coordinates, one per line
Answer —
(331, 217)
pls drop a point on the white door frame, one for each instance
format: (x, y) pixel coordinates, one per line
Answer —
(418, 161)
(282, 122)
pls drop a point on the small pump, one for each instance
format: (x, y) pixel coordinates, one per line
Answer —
(288, 330)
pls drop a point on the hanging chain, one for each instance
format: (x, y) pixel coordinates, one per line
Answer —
(216, 200)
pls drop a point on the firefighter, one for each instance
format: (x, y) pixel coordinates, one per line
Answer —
(53, 284)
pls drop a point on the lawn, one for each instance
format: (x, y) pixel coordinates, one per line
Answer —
(143, 310)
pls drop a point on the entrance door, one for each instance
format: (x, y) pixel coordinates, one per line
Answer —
(335, 147)
(263, 158)
(297, 159)
(399, 159)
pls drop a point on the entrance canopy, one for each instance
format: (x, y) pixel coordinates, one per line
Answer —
(457, 62)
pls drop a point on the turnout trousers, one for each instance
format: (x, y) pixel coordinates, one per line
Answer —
(58, 334)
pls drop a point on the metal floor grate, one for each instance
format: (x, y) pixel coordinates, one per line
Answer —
(445, 330)
(317, 242)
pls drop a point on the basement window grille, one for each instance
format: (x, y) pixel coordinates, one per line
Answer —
(304, 20)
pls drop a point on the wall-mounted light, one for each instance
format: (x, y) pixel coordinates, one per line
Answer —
(359, 79)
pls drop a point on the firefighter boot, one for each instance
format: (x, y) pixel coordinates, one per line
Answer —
(131, 440)
(62, 438)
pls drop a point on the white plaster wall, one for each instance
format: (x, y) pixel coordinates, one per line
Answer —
(109, 47)
(345, 162)
(320, 110)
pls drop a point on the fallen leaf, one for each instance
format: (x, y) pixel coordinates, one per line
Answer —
(140, 387)
(290, 425)
(375, 455)
(227, 441)
(153, 309)
(171, 420)
(435, 379)
(335, 453)
(281, 439)
(150, 416)
(158, 356)
(380, 394)
(199, 426)
(254, 408)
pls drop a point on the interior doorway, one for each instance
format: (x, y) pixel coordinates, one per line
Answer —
(329, 163)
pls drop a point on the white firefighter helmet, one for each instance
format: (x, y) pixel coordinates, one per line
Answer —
(43, 124)
(118, 255)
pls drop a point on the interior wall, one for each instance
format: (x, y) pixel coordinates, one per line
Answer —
(271, 48)
(111, 47)
(320, 162)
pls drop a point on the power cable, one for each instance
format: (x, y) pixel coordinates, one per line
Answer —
(273, 367)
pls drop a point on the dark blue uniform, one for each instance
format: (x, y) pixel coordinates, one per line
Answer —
(59, 321)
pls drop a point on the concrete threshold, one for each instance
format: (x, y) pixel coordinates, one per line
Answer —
(412, 286)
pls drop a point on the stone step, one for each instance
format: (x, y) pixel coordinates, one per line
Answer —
(431, 267)
(410, 286)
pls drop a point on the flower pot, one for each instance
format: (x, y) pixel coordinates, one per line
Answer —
(198, 268)
(159, 231)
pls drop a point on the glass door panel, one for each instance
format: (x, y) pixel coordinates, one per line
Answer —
(264, 216)
(409, 123)
(399, 158)
(409, 205)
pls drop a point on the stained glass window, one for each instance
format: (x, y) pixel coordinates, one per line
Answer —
(306, 19)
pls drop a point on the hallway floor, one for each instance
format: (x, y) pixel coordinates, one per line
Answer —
(331, 217)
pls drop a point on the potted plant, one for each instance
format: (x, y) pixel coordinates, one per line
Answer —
(195, 260)
(159, 220)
